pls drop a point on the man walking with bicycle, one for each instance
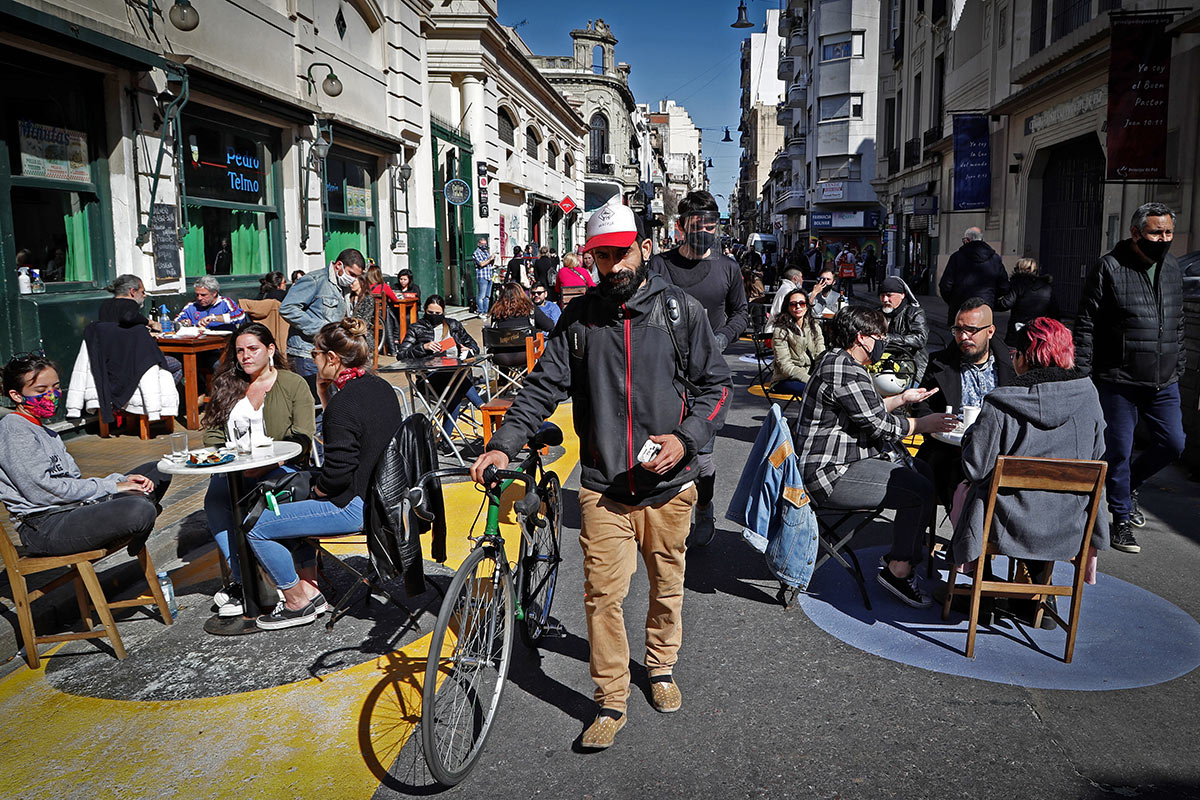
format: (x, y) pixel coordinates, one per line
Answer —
(650, 388)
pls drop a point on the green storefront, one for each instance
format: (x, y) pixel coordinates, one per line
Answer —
(452, 270)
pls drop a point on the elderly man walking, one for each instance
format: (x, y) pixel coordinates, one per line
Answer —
(1129, 333)
(974, 270)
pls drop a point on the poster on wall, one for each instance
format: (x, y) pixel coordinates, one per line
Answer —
(972, 162)
(1139, 71)
(58, 153)
(358, 201)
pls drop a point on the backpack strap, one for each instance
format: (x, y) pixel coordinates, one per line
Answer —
(678, 315)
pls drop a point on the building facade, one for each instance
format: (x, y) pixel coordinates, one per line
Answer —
(268, 137)
(592, 78)
(682, 169)
(500, 126)
(762, 135)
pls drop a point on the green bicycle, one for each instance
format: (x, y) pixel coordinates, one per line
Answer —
(472, 642)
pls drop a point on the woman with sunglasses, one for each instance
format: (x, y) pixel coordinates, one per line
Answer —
(796, 340)
(361, 416)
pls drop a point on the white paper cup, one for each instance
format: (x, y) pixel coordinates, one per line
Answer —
(970, 414)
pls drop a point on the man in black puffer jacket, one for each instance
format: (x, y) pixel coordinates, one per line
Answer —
(641, 363)
(1129, 334)
(974, 270)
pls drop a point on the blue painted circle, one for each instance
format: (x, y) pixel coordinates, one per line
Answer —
(1128, 637)
(457, 191)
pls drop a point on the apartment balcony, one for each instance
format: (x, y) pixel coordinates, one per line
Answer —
(783, 115)
(787, 66)
(912, 152)
(797, 95)
(798, 41)
(781, 162)
(796, 146)
(785, 22)
(932, 135)
(596, 166)
(789, 200)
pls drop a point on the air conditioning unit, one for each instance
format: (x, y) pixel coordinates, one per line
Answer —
(609, 158)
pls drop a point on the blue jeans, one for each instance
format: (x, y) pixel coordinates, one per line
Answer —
(483, 292)
(220, 512)
(1123, 405)
(468, 392)
(298, 521)
(303, 366)
(789, 386)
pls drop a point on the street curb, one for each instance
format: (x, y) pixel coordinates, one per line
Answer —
(58, 611)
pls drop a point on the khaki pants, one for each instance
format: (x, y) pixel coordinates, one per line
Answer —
(611, 535)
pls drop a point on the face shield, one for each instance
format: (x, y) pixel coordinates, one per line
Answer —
(700, 230)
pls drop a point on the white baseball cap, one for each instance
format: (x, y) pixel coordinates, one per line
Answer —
(611, 225)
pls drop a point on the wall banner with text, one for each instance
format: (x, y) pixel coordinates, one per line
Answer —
(1139, 73)
(972, 162)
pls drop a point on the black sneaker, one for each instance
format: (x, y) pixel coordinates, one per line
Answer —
(284, 617)
(1120, 537)
(906, 590)
(1136, 518)
(229, 601)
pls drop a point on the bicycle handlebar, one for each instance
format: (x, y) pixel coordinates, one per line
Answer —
(527, 505)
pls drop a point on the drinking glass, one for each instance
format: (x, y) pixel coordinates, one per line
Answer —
(179, 447)
(241, 435)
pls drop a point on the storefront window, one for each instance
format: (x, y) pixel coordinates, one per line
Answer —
(350, 205)
(51, 137)
(233, 219)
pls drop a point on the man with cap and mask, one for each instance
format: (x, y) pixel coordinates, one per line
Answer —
(848, 438)
(639, 360)
(963, 372)
(908, 331)
(1129, 334)
(699, 268)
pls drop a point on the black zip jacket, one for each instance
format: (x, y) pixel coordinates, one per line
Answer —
(1128, 330)
(908, 330)
(1029, 297)
(626, 386)
(974, 270)
(422, 332)
(945, 374)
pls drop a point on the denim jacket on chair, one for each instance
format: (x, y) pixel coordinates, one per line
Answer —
(773, 508)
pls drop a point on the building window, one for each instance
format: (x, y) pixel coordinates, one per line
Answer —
(507, 128)
(1002, 27)
(531, 142)
(841, 46)
(568, 166)
(349, 204)
(597, 60)
(839, 168)
(1037, 26)
(597, 142)
(916, 106)
(51, 125)
(552, 155)
(841, 106)
(1069, 15)
(233, 217)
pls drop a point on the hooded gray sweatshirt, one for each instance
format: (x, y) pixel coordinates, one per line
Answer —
(38, 474)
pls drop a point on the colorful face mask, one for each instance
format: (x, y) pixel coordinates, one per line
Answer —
(45, 405)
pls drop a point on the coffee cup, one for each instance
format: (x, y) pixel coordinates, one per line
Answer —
(970, 414)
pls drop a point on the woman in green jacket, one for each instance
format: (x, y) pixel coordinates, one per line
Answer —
(796, 341)
(253, 384)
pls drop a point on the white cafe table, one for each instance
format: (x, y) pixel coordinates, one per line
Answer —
(258, 597)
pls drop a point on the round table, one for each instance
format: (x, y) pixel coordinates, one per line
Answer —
(950, 437)
(257, 596)
(437, 404)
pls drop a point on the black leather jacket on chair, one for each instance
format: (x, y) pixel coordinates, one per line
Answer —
(908, 330)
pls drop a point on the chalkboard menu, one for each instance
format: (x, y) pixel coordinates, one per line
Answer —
(165, 238)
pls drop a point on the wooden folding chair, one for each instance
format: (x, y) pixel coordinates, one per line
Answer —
(1042, 475)
(88, 593)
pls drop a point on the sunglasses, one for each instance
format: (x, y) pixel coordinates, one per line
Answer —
(959, 330)
(795, 304)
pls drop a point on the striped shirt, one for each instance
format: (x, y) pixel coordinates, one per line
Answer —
(481, 255)
(842, 420)
(229, 312)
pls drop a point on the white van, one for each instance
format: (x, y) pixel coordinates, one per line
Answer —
(766, 244)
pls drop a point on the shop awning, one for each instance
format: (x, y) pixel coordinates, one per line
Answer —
(77, 34)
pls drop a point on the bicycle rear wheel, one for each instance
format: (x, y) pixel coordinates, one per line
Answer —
(469, 656)
(539, 561)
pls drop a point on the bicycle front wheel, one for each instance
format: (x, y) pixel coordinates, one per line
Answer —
(469, 656)
(539, 561)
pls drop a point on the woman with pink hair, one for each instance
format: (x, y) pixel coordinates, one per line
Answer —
(1051, 411)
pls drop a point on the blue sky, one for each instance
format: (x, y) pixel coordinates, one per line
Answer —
(681, 51)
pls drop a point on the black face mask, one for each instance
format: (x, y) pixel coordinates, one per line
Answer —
(701, 241)
(435, 319)
(1155, 251)
(877, 350)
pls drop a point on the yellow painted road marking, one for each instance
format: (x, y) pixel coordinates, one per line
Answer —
(339, 733)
